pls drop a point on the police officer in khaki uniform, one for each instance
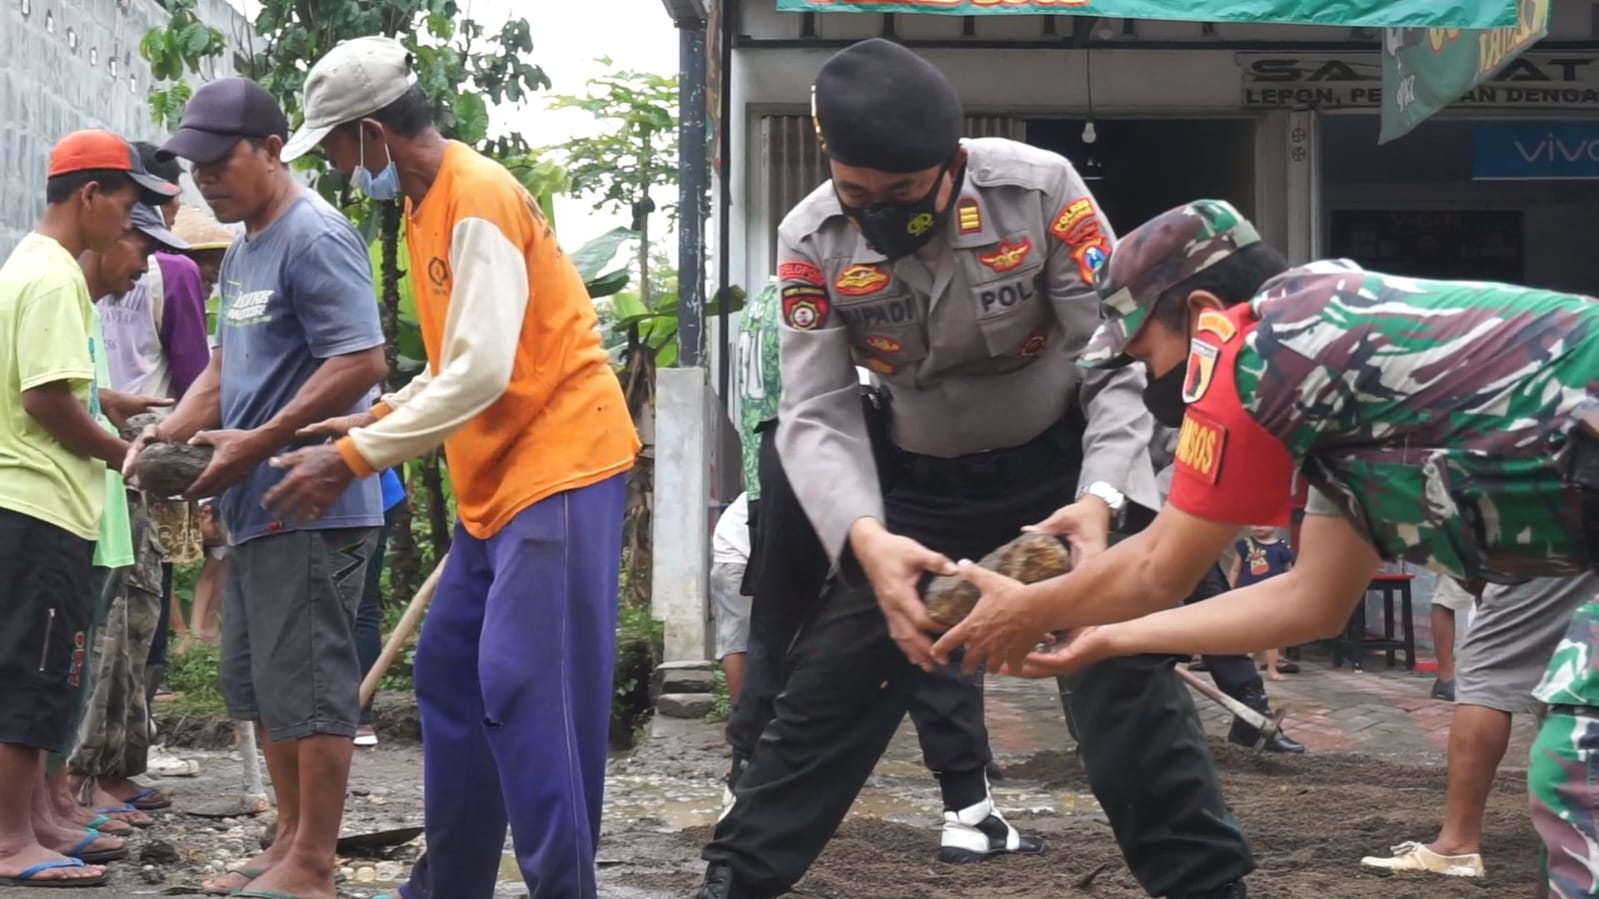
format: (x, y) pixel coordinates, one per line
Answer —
(960, 273)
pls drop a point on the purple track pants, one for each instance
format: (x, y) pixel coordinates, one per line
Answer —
(513, 677)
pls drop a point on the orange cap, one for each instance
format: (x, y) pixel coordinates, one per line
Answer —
(98, 149)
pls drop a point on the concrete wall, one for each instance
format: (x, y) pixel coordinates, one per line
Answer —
(71, 64)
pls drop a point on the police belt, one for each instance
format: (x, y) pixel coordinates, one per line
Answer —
(1055, 453)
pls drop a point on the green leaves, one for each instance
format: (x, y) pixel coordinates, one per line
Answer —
(597, 253)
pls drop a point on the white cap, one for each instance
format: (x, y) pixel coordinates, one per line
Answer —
(354, 80)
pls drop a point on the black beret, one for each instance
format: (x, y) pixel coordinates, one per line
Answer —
(879, 106)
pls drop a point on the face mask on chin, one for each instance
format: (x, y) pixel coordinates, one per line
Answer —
(900, 229)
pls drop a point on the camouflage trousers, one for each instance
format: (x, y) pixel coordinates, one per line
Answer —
(1563, 785)
(113, 738)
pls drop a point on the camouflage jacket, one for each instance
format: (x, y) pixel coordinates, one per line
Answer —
(760, 380)
(1433, 414)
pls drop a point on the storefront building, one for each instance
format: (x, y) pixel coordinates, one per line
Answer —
(1281, 120)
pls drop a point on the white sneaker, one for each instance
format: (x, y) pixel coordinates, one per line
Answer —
(162, 763)
(1412, 856)
(366, 736)
(980, 832)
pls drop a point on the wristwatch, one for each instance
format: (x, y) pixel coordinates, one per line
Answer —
(1113, 498)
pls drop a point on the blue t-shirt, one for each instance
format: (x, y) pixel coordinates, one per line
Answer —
(296, 293)
(1258, 561)
(393, 489)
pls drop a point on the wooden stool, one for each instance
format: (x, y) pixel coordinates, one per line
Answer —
(1355, 643)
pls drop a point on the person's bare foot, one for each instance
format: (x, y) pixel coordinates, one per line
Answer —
(1271, 674)
(126, 791)
(103, 802)
(16, 859)
(67, 810)
(67, 838)
(247, 873)
(300, 878)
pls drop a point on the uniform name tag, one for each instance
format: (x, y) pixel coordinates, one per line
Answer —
(1200, 445)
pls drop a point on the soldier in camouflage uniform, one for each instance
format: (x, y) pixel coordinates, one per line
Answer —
(1438, 422)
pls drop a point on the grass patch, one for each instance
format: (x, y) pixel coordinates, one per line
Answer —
(194, 676)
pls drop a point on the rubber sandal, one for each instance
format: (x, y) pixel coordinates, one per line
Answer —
(150, 805)
(247, 873)
(26, 878)
(124, 810)
(99, 857)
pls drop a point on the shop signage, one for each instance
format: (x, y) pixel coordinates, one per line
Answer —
(1566, 81)
(1427, 69)
(1348, 13)
(1535, 151)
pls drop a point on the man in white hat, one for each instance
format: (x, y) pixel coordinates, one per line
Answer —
(513, 668)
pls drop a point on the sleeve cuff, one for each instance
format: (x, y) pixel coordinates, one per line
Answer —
(353, 458)
(380, 409)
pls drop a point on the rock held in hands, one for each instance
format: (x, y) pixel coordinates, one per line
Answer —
(167, 469)
(1029, 558)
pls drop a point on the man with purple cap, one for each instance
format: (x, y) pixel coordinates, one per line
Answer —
(1451, 424)
(297, 342)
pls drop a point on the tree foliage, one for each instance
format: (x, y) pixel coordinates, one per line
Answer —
(635, 148)
(461, 67)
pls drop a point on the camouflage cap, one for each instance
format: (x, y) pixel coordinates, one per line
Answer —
(1152, 259)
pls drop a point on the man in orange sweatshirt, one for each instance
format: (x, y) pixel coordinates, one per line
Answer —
(514, 665)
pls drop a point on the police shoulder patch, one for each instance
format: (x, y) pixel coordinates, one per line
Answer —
(1074, 220)
(1213, 322)
(1200, 445)
(1201, 370)
(805, 308)
(803, 272)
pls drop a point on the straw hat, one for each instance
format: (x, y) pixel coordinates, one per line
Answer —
(201, 229)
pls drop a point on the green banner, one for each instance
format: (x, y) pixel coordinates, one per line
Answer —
(1347, 13)
(1426, 69)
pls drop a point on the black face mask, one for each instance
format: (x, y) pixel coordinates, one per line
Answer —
(1164, 396)
(899, 229)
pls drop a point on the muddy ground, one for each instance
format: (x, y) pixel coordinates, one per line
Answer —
(1310, 819)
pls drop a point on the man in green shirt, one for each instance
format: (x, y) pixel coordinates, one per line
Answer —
(113, 737)
(53, 457)
(1447, 424)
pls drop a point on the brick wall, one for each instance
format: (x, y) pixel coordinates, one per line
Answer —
(70, 64)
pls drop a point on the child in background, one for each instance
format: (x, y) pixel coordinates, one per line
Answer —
(1259, 556)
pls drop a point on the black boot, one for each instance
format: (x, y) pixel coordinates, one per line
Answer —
(1234, 890)
(720, 883)
(1245, 734)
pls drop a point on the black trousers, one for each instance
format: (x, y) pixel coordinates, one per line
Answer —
(784, 580)
(1234, 675)
(848, 687)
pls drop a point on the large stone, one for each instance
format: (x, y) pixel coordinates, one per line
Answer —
(685, 705)
(684, 680)
(167, 469)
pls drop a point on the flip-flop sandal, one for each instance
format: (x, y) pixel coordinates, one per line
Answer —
(125, 810)
(100, 823)
(27, 878)
(98, 857)
(248, 874)
(142, 801)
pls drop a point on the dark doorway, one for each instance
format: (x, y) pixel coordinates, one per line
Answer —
(1143, 167)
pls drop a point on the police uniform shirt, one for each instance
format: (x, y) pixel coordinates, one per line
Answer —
(977, 347)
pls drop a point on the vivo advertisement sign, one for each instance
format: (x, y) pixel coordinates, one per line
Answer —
(1535, 151)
